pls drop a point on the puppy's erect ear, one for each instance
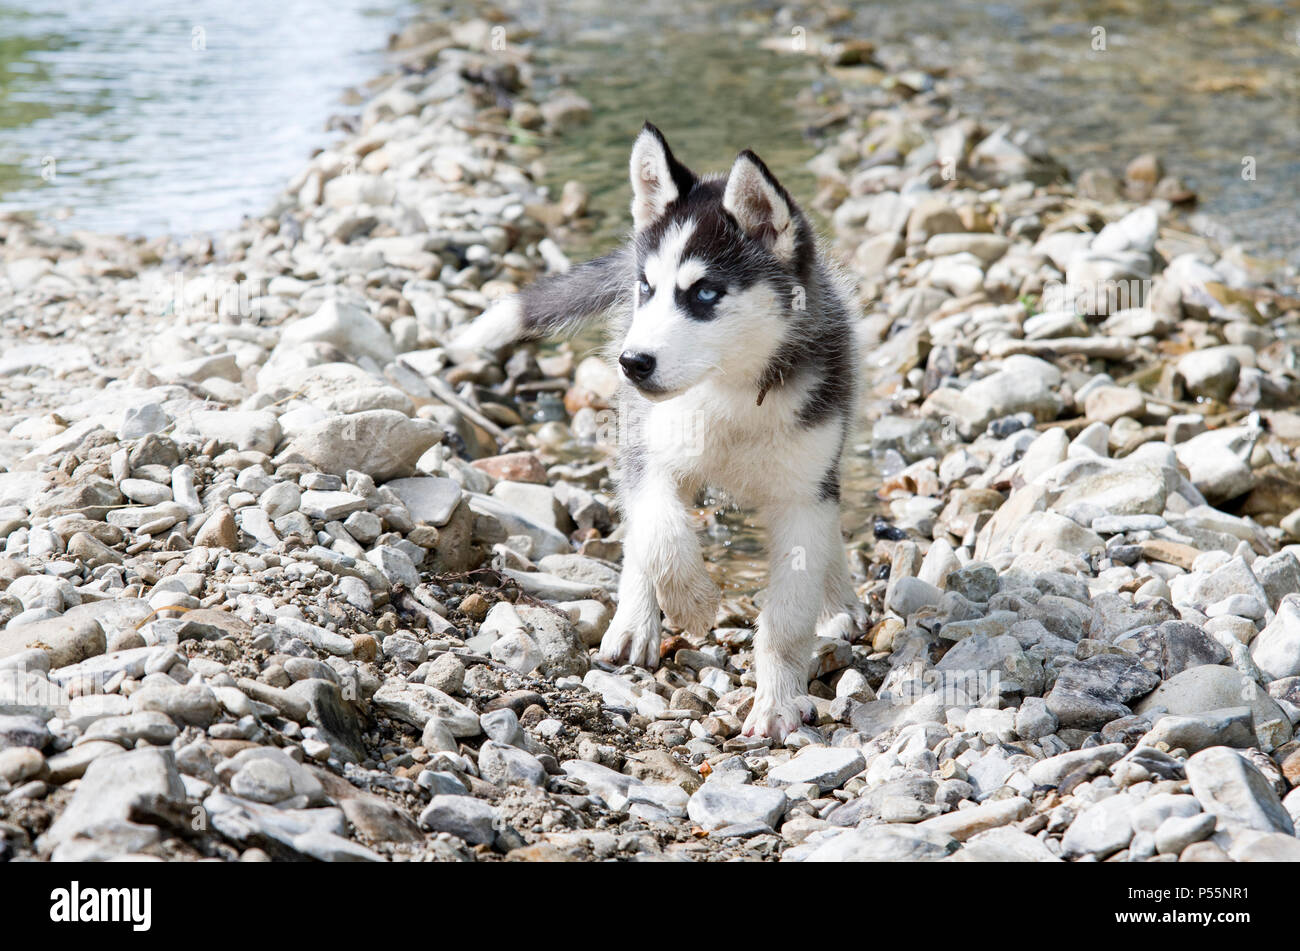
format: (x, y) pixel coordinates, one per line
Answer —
(760, 205)
(658, 179)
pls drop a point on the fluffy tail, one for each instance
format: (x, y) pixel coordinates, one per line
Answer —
(557, 303)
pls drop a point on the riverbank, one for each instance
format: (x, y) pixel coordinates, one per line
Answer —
(271, 554)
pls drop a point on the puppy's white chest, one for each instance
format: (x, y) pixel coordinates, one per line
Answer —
(726, 440)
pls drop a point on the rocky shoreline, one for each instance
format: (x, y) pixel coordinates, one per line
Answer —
(283, 578)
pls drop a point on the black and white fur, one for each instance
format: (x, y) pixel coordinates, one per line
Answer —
(738, 363)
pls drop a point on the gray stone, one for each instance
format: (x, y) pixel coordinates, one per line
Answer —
(1152, 812)
(430, 500)
(416, 704)
(148, 725)
(1265, 847)
(828, 767)
(255, 431)
(1279, 575)
(509, 765)
(609, 786)
(715, 805)
(976, 581)
(963, 824)
(910, 594)
(1218, 461)
(447, 673)
(1003, 844)
(1091, 693)
(1276, 650)
(1034, 720)
(1172, 647)
(396, 566)
(269, 775)
(884, 843)
(263, 780)
(23, 730)
(271, 828)
(1211, 373)
(502, 726)
(545, 539)
(462, 816)
(187, 704)
(382, 443)
(330, 506)
(316, 636)
(117, 790)
(563, 652)
(1178, 832)
(1050, 771)
(1230, 787)
(1100, 830)
(1231, 727)
(1122, 491)
(336, 720)
(343, 325)
(67, 639)
(1209, 687)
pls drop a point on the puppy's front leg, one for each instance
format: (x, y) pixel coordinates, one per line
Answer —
(661, 560)
(804, 538)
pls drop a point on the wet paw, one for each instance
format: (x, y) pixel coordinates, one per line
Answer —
(778, 719)
(627, 645)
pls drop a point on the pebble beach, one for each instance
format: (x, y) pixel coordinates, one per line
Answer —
(283, 576)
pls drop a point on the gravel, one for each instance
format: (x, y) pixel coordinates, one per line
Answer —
(299, 569)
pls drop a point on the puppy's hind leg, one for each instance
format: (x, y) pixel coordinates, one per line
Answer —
(843, 614)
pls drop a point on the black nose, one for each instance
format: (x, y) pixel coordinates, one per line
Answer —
(637, 366)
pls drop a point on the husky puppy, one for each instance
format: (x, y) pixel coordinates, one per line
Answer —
(738, 364)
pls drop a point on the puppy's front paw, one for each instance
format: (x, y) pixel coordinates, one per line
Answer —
(779, 718)
(637, 645)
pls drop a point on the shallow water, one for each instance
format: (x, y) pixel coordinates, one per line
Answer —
(172, 116)
(1205, 85)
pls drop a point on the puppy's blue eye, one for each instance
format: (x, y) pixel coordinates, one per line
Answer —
(644, 288)
(706, 295)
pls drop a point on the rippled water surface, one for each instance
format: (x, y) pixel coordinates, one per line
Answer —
(1204, 85)
(172, 116)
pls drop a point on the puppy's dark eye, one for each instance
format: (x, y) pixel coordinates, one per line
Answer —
(643, 288)
(707, 295)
